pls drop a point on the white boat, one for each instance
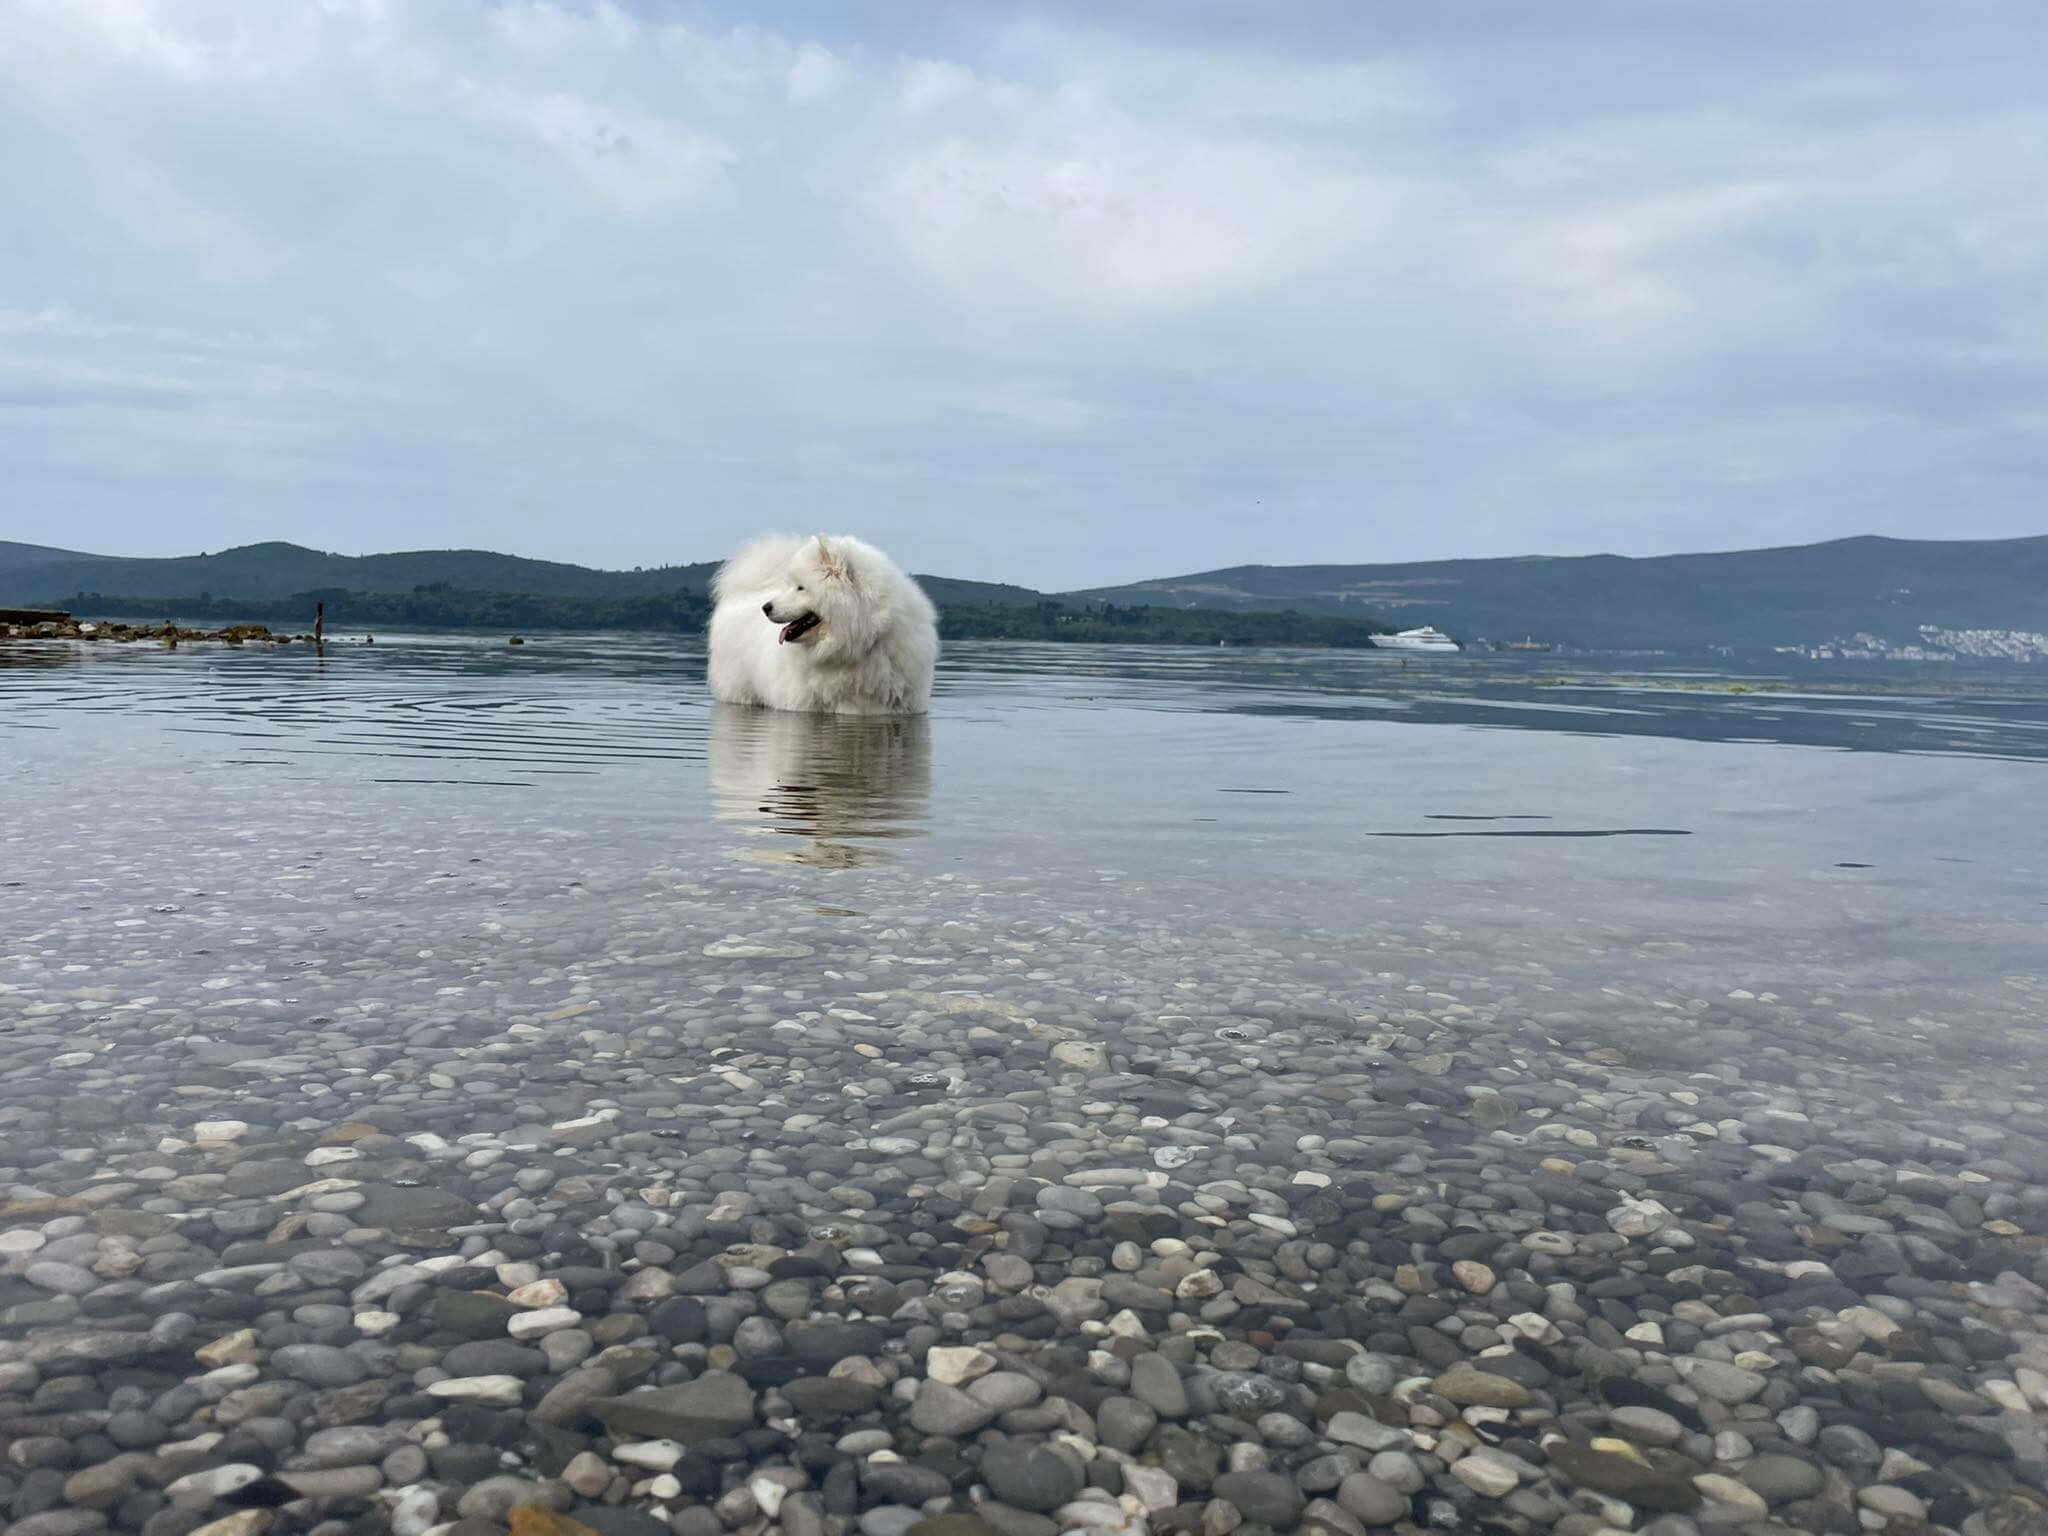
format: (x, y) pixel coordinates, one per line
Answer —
(1427, 638)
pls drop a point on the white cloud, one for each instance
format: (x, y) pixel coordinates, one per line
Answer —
(1037, 294)
(1116, 222)
(1625, 271)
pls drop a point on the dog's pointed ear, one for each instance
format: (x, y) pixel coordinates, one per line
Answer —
(833, 561)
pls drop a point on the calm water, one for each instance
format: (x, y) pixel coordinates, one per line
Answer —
(1311, 964)
(1866, 831)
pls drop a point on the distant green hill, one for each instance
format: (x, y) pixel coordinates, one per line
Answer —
(21, 557)
(950, 592)
(461, 588)
(31, 572)
(278, 570)
(1748, 598)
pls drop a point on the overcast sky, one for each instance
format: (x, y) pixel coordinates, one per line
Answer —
(1059, 295)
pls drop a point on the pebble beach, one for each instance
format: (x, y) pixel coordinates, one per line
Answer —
(383, 1154)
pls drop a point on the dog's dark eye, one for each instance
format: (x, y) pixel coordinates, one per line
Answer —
(799, 586)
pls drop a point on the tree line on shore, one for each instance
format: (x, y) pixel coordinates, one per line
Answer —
(439, 606)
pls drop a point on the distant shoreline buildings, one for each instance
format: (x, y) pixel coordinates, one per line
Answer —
(1934, 644)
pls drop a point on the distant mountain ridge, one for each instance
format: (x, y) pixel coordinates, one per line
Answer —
(271, 571)
(277, 569)
(1750, 599)
(19, 557)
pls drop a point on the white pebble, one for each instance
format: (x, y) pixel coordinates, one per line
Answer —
(654, 1455)
(500, 1391)
(530, 1325)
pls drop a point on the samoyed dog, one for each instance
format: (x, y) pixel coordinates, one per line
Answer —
(825, 625)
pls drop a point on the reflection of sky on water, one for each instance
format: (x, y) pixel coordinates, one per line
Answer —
(1879, 831)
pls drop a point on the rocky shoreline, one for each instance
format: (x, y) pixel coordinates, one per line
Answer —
(20, 626)
(665, 1287)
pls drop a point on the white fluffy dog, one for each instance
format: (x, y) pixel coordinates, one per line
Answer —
(828, 625)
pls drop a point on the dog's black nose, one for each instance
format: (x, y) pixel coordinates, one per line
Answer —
(769, 608)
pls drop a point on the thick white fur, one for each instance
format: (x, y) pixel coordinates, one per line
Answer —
(872, 654)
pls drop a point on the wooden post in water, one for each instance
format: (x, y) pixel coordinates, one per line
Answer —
(319, 623)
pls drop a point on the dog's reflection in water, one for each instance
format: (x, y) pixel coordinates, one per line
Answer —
(829, 786)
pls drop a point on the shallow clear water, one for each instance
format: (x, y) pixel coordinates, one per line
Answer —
(1658, 992)
(1343, 827)
(1676, 829)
